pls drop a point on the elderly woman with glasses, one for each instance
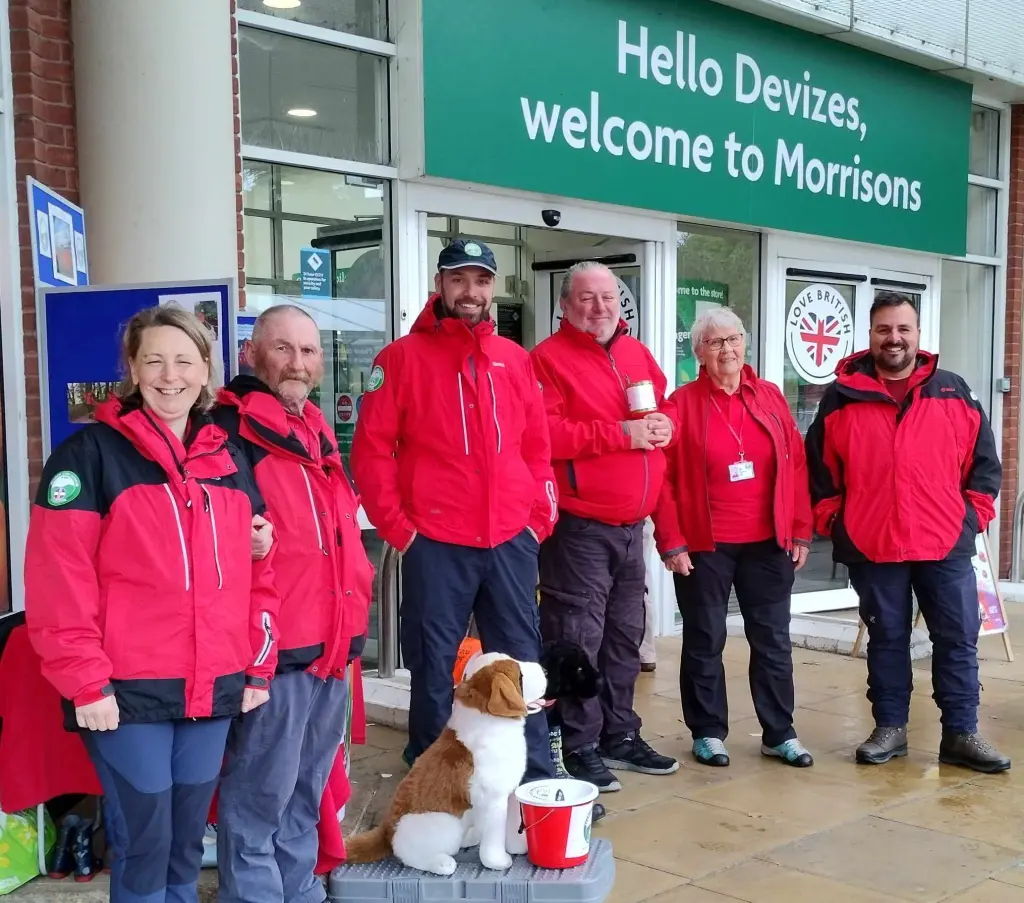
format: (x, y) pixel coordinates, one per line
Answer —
(734, 513)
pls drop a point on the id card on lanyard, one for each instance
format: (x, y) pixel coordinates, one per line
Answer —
(740, 470)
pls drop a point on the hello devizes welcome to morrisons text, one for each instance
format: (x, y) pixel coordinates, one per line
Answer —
(686, 71)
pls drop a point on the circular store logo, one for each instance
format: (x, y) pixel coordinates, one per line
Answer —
(819, 333)
(627, 310)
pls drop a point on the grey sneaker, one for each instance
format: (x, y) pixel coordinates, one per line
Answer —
(972, 751)
(883, 744)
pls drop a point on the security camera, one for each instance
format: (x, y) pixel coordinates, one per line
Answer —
(551, 217)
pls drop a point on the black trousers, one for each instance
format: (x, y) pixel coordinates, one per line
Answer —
(592, 593)
(763, 576)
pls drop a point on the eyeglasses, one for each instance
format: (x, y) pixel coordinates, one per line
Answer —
(734, 341)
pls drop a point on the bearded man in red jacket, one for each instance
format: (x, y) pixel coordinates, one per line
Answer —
(452, 457)
(609, 462)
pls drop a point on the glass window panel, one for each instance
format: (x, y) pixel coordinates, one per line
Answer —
(984, 142)
(981, 220)
(374, 547)
(256, 185)
(313, 192)
(820, 573)
(366, 18)
(437, 223)
(485, 230)
(259, 247)
(312, 98)
(715, 268)
(966, 322)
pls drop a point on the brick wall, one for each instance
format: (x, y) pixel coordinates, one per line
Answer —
(1012, 365)
(238, 155)
(45, 148)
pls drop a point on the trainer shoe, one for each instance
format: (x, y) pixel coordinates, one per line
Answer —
(792, 752)
(630, 752)
(971, 751)
(883, 744)
(585, 764)
(710, 751)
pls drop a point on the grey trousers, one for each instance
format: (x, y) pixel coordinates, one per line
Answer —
(276, 766)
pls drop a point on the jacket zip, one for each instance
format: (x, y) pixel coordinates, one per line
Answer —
(647, 466)
(181, 536)
(268, 639)
(213, 526)
(312, 508)
(462, 411)
(494, 409)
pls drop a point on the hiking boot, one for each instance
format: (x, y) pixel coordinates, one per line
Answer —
(585, 765)
(971, 751)
(710, 751)
(630, 752)
(792, 752)
(648, 667)
(883, 744)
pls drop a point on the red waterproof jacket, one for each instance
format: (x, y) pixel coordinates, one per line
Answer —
(139, 578)
(322, 573)
(600, 476)
(682, 520)
(910, 482)
(451, 440)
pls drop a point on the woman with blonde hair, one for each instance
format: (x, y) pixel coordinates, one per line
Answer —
(144, 603)
(735, 512)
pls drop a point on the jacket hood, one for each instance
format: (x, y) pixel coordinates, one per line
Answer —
(429, 321)
(155, 441)
(857, 372)
(264, 420)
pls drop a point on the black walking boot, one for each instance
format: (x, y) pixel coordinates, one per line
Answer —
(971, 751)
(630, 752)
(63, 862)
(884, 744)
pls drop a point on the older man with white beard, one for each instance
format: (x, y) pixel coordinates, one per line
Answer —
(279, 757)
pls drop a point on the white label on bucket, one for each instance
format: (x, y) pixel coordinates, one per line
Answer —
(578, 841)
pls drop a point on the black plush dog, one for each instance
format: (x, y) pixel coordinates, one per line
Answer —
(570, 676)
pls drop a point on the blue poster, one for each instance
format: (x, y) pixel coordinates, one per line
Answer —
(59, 255)
(80, 341)
(315, 273)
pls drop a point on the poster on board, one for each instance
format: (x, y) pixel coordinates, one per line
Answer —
(990, 602)
(59, 257)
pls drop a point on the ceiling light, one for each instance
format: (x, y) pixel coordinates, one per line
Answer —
(301, 112)
(282, 4)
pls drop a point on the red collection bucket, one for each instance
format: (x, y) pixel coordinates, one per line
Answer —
(557, 815)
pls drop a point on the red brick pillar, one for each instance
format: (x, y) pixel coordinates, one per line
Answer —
(1012, 360)
(45, 148)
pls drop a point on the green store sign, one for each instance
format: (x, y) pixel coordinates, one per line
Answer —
(699, 110)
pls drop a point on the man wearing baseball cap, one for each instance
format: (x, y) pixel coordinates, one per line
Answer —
(452, 457)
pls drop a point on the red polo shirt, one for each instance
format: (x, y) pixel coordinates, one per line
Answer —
(741, 511)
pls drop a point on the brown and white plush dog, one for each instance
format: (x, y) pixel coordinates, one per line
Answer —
(457, 794)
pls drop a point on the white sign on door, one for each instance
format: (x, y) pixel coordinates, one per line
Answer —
(819, 333)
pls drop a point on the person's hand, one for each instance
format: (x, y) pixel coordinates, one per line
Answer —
(679, 563)
(262, 537)
(639, 432)
(253, 698)
(102, 715)
(412, 539)
(800, 556)
(660, 428)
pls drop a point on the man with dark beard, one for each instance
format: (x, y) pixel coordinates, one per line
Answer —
(452, 458)
(904, 476)
(279, 756)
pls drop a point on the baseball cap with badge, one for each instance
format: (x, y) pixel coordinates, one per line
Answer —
(464, 252)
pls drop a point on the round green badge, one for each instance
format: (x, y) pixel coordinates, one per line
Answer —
(65, 487)
(376, 379)
(472, 249)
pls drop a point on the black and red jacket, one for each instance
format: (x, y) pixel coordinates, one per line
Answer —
(321, 572)
(901, 482)
(139, 578)
(682, 520)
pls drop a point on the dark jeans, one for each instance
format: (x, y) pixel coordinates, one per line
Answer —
(278, 760)
(592, 579)
(947, 592)
(763, 576)
(158, 780)
(442, 585)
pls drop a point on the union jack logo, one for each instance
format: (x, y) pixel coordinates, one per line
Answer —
(820, 335)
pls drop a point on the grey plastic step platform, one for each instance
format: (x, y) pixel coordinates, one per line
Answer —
(391, 882)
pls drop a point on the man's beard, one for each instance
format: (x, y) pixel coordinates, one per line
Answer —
(907, 358)
(443, 310)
